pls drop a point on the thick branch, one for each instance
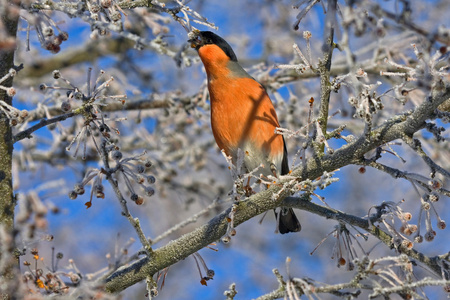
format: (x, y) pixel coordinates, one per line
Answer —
(189, 243)
(9, 19)
(89, 52)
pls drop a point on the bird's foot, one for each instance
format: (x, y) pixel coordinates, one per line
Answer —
(248, 190)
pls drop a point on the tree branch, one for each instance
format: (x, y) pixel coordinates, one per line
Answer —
(329, 213)
(27, 133)
(325, 66)
(142, 104)
(9, 18)
(89, 52)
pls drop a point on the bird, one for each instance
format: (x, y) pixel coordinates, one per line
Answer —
(243, 116)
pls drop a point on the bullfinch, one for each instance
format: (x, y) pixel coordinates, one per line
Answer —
(243, 116)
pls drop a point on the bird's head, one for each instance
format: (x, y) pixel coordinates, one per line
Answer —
(207, 42)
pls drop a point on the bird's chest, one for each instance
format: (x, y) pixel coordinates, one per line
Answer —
(242, 117)
(229, 114)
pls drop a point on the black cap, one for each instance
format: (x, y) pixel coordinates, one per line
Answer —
(210, 38)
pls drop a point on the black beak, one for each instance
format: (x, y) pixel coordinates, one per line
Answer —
(196, 42)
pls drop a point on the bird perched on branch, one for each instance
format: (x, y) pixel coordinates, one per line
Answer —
(243, 116)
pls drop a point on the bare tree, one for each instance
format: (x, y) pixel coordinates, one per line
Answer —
(111, 109)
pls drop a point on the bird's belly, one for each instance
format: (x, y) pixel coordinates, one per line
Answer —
(255, 158)
(254, 147)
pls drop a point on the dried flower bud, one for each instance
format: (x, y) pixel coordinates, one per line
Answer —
(42, 87)
(360, 72)
(79, 189)
(65, 106)
(210, 274)
(140, 169)
(140, 179)
(24, 113)
(103, 128)
(154, 291)
(226, 239)
(63, 35)
(115, 16)
(151, 179)
(105, 3)
(117, 155)
(149, 191)
(56, 74)
(75, 278)
(429, 236)
(99, 188)
(435, 184)
(47, 31)
(59, 255)
(307, 35)
(78, 95)
(57, 40)
(51, 47)
(433, 197)
(134, 197)
(441, 224)
(95, 9)
(73, 195)
(148, 163)
(11, 91)
(39, 272)
(140, 200)
(407, 244)
(418, 239)
(409, 229)
(407, 216)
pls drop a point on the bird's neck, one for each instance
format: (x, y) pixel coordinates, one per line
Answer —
(215, 61)
(216, 69)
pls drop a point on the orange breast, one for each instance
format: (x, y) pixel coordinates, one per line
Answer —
(241, 112)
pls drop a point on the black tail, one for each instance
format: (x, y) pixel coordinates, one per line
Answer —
(287, 221)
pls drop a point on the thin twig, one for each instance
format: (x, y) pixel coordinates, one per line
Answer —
(325, 66)
(27, 133)
(123, 203)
